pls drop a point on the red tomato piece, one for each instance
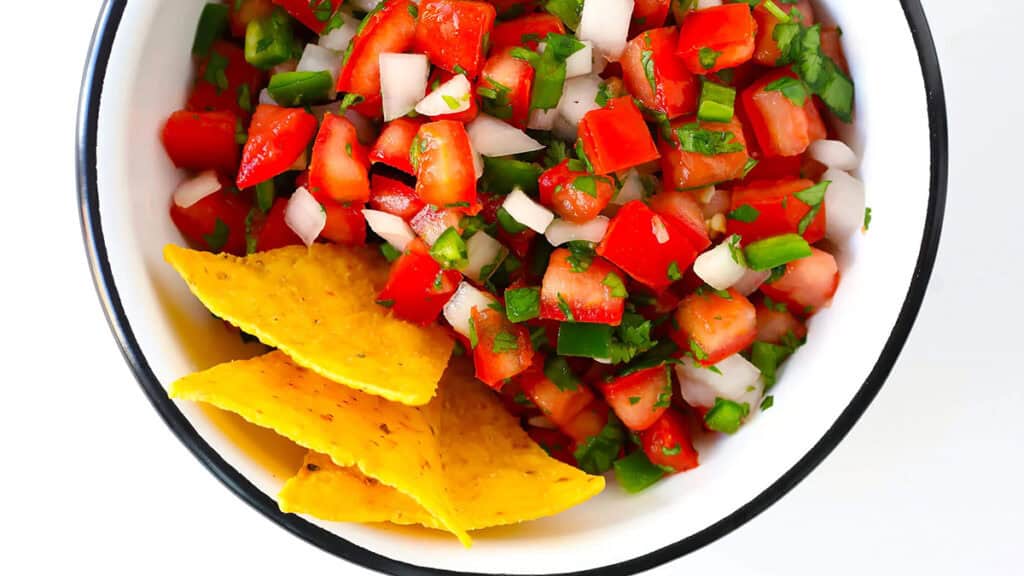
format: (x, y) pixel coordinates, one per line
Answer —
(345, 224)
(832, 46)
(453, 34)
(503, 349)
(766, 51)
(277, 138)
(684, 208)
(216, 223)
(245, 11)
(438, 77)
(389, 28)
(313, 13)
(808, 283)
(670, 88)
(616, 137)
(684, 169)
(773, 324)
(776, 168)
(394, 197)
(511, 8)
(575, 195)
(392, 146)
(418, 288)
(782, 128)
(716, 38)
(585, 293)
(444, 165)
(429, 223)
(339, 168)
(649, 14)
(669, 443)
(226, 82)
(202, 141)
(273, 232)
(589, 422)
(526, 31)
(779, 211)
(653, 250)
(555, 443)
(640, 398)
(714, 326)
(561, 406)
(511, 79)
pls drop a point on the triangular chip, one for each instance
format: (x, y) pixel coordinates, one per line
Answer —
(393, 443)
(317, 305)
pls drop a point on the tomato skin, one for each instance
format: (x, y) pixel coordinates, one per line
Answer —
(670, 433)
(199, 220)
(394, 197)
(775, 168)
(560, 406)
(616, 137)
(720, 326)
(444, 170)
(503, 70)
(782, 128)
(244, 11)
(418, 287)
(202, 141)
(277, 138)
(683, 170)
(207, 97)
(339, 167)
(779, 211)
(832, 46)
(585, 294)
(631, 244)
(649, 14)
(682, 206)
(766, 51)
(808, 284)
(728, 29)
(675, 91)
(526, 31)
(390, 28)
(302, 10)
(438, 77)
(555, 443)
(274, 233)
(774, 324)
(640, 398)
(392, 146)
(493, 367)
(559, 192)
(345, 224)
(452, 33)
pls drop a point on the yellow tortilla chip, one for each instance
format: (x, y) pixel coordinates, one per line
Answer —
(317, 305)
(393, 443)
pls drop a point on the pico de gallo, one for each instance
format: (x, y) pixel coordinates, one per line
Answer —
(624, 211)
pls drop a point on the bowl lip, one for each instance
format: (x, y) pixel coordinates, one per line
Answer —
(88, 198)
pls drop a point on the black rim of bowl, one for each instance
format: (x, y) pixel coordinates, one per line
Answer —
(88, 196)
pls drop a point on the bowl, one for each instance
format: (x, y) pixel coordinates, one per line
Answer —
(138, 72)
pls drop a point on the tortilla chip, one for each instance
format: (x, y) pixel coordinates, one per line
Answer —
(393, 443)
(317, 305)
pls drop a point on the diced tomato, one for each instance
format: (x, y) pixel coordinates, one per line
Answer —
(779, 211)
(616, 137)
(202, 141)
(776, 168)
(511, 80)
(512, 8)
(555, 443)
(392, 146)
(832, 46)
(313, 13)
(503, 349)
(683, 169)
(684, 208)
(394, 197)
(715, 326)
(345, 224)
(454, 33)
(418, 288)
(782, 128)
(670, 88)
(226, 82)
(647, 15)
(589, 422)
(277, 138)
(808, 283)
(669, 442)
(273, 232)
(438, 77)
(339, 168)
(716, 38)
(585, 293)
(429, 223)
(526, 31)
(652, 249)
(389, 28)
(217, 222)
(575, 195)
(244, 11)
(767, 51)
(444, 165)
(774, 323)
(561, 406)
(640, 398)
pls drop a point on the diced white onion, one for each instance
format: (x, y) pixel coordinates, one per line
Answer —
(834, 154)
(391, 228)
(195, 189)
(429, 223)
(844, 205)
(751, 281)
(581, 62)
(460, 305)
(561, 231)
(606, 24)
(366, 131)
(718, 268)
(403, 82)
(702, 4)
(478, 161)
(659, 230)
(305, 216)
(579, 97)
(484, 255)
(316, 58)
(492, 137)
(265, 98)
(542, 119)
(563, 129)
(363, 5)
(541, 422)
(527, 212)
(451, 97)
(632, 188)
(736, 379)
(339, 38)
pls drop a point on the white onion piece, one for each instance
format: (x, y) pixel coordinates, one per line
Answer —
(265, 98)
(451, 97)
(606, 24)
(478, 161)
(363, 5)
(391, 228)
(460, 305)
(403, 82)
(844, 205)
(581, 62)
(702, 4)
(305, 216)
(736, 379)
(579, 97)
(317, 58)
(195, 189)
(563, 129)
(632, 188)
(527, 212)
(718, 268)
(339, 38)
(659, 230)
(484, 255)
(541, 422)
(492, 137)
(561, 231)
(751, 281)
(542, 119)
(834, 154)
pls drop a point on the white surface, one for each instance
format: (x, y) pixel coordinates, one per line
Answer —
(926, 483)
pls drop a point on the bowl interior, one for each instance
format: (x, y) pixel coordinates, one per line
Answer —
(147, 77)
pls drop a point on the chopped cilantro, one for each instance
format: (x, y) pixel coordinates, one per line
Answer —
(618, 288)
(673, 271)
(692, 138)
(505, 342)
(218, 237)
(597, 454)
(708, 57)
(522, 304)
(556, 369)
(767, 402)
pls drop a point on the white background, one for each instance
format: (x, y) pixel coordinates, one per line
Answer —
(929, 481)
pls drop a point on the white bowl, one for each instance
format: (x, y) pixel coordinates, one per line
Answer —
(139, 71)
